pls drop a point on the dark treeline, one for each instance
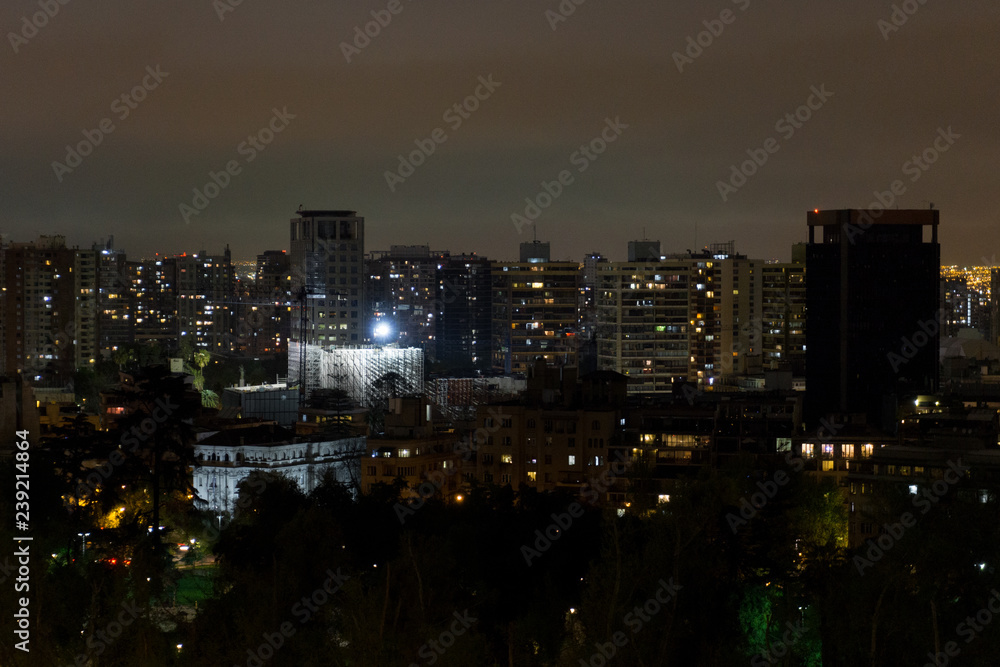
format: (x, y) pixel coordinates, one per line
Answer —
(502, 577)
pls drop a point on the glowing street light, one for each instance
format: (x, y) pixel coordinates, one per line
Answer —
(382, 331)
(84, 537)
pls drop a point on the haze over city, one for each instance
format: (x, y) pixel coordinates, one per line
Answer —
(548, 333)
(227, 67)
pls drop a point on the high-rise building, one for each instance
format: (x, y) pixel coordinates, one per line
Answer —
(535, 312)
(966, 300)
(114, 322)
(873, 317)
(590, 279)
(687, 317)
(403, 289)
(435, 301)
(49, 310)
(643, 323)
(206, 300)
(783, 314)
(463, 309)
(85, 314)
(153, 301)
(589, 282)
(268, 312)
(736, 303)
(328, 286)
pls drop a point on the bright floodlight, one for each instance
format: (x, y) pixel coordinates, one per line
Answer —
(382, 330)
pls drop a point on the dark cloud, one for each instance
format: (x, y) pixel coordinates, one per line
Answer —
(607, 60)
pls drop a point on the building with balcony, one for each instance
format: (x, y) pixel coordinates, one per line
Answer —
(536, 313)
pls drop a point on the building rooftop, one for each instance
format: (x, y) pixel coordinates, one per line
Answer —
(326, 212)
(922, 216)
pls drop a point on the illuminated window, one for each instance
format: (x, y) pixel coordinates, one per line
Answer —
(847, 451)
(506, 458)
(807, 450)
(663, 498)
(828, 450)
(867, 451)
(827, 465)
(532, 476)
(571, 460)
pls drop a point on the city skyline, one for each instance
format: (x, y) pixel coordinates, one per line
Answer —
(283, 113)
(548, 333)
(249, 260)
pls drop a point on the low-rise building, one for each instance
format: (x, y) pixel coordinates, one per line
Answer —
(229, 456)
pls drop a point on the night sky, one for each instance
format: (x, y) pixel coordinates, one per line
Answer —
(895, 90)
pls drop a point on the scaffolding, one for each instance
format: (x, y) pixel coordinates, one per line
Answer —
(310, 364)
(359, 370)
(459, 397)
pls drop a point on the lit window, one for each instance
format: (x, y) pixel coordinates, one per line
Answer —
(807, 450)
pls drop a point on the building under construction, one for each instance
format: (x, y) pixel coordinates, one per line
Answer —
(361, 371)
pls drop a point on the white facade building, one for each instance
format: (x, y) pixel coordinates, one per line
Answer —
(227, 458)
